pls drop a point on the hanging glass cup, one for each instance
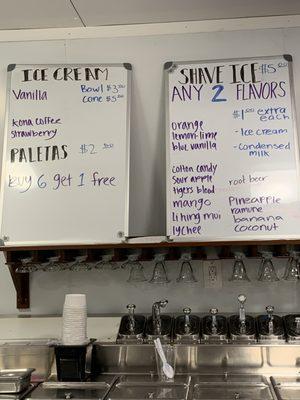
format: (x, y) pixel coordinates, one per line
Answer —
(159, 275)
(292, 272)
(267, 271)
(136, 273)
(53, 264)
(25, 265)
(186, 274)
(80, 264)
(239, 272)
(106, 261)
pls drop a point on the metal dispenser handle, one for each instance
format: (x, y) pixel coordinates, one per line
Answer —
(187, 321)
(270, 311)
(242, 314)
(131, 308)
(160, 304)
(156, 315)
(214, 323)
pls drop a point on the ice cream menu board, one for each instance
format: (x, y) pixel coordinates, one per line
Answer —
(66, 154)
(232, 150)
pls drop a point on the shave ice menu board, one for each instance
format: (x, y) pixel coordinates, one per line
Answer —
(232, 150)
(65, 161)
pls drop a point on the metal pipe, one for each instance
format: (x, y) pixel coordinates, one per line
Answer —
(187, 322)
(131, 308)
(156, 315)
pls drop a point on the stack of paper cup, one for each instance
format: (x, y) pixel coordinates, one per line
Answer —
(74, 320)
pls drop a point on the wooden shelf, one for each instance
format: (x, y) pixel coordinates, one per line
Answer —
(66, 253)
(21, 282)
(129, 245)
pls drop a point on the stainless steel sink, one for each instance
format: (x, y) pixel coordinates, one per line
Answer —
(232, 392)
(287, 393)
(286, 387)
(183, 387)
(152, 379)
(149, 387)
(233, 386)
(148, 392)
(74, 385)
(70, 392)
(202, 387)
(228, 379)
(75, 390)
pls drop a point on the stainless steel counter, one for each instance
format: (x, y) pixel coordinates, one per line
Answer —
(203, 371)
(201, 358)
(184, 387)
(223, 371)
(28, 354)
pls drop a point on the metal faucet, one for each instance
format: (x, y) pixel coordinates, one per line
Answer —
(187, 322)
(270, 311)
(297, 321)
(214, 323)
(131, 308)
(156, 315)
(242, 314)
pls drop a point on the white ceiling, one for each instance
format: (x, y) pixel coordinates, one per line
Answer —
(22, 14)
(111, 12)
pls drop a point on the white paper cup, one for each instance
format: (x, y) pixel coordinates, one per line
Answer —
(74, 323)
(75, 300)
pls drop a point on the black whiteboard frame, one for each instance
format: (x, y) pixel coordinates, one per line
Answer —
(169, 67)
(121, 236)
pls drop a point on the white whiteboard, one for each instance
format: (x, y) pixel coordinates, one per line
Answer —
(232, 150)
(66, 154)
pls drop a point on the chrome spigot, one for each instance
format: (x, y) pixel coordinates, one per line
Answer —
(187, 322)
(131, 308)
(297, 321)
(156, 315)
(270, 311)
(214, 323)
(242, 314)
